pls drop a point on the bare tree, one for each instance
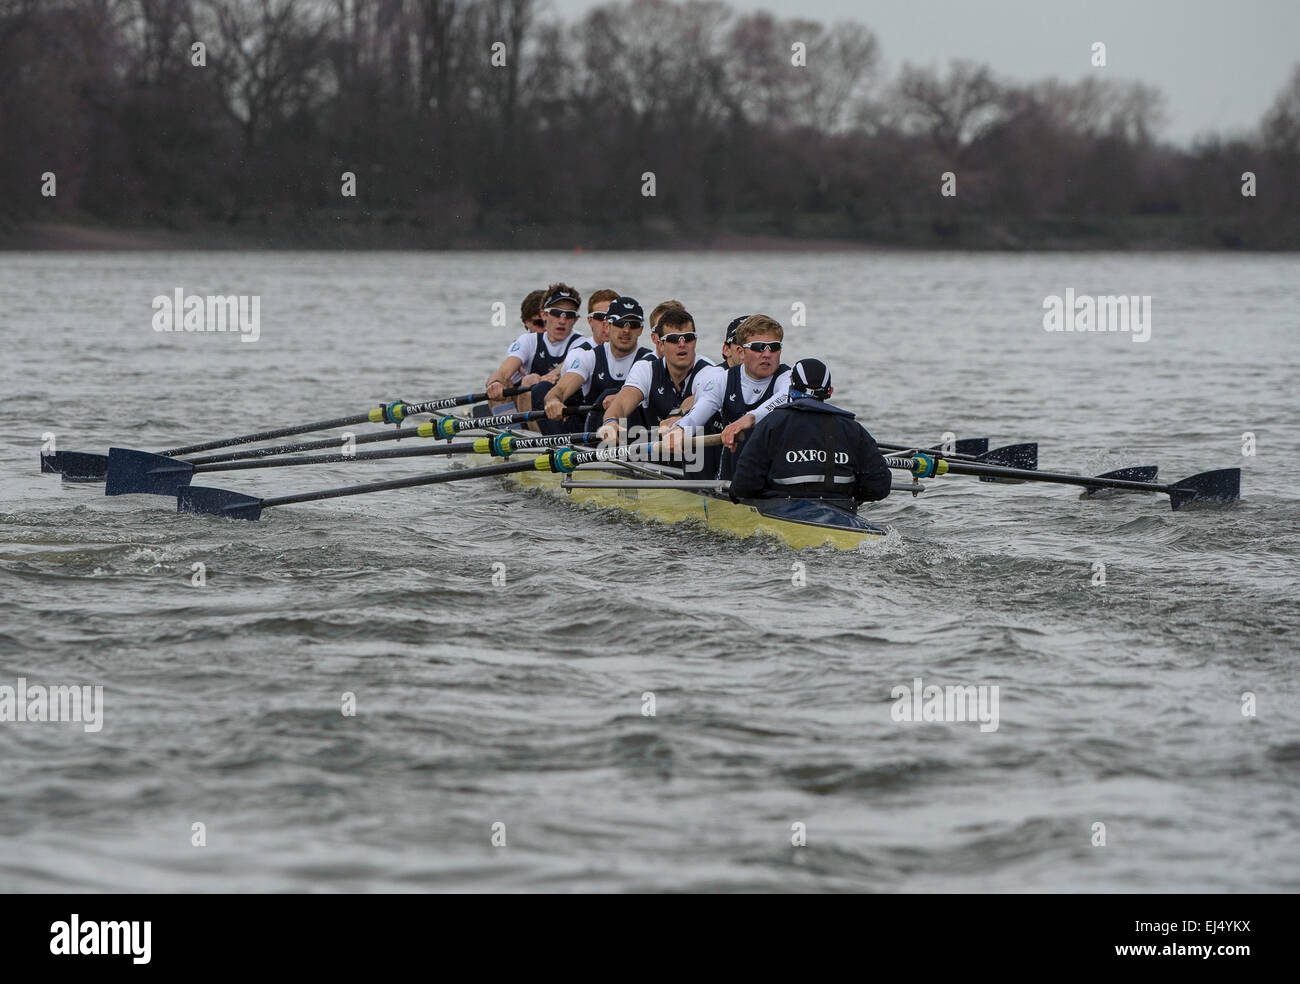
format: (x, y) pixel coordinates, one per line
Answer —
(1281, 124)
(954, 111)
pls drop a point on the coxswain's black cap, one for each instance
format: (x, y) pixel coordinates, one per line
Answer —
(812, 378)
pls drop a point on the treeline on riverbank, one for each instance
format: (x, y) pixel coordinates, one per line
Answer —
(477, 123)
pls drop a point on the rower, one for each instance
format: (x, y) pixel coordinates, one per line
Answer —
(808, 449)
(732, 356)
(540, 355)
(597, 310)
(598, 374)
(656, 316)
(530, 317)
(530, 311)
(734, 430)
(658, 386)
(729, 394)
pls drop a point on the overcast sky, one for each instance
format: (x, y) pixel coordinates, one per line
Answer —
(1220, 63)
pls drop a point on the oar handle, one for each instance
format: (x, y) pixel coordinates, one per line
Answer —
(568, 460)
(499, 446)
(449, 427)
(393, 413)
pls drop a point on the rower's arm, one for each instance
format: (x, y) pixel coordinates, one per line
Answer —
(506, 371)
(707, 403)
(627, 400)
(569, 384)
(779, 398)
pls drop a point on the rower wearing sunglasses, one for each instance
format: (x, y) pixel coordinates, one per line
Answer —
(730, 394)
(539, 355)
(598, 374)
(656, 315)
(659, 386)
(808, 449)
(733, 354)
(597, 311)
(530, 318)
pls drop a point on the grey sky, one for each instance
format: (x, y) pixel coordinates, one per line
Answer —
(1220, 63)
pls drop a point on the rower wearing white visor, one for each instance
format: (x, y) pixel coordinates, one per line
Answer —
(541, 354)
(727, 395)
(599, 373)
(656, 388)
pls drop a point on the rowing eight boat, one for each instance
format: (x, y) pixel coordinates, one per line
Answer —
(653, 491)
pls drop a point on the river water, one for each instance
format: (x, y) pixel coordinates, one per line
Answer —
(1160, 704)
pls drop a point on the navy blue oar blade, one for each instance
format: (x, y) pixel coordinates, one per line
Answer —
(218, 502)
(131, 471)
(1012, 456)
(1221, 486)
(1134, 473)
(966, 445)
(83, 466)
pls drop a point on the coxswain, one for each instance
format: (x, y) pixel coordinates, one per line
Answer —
(809, 449)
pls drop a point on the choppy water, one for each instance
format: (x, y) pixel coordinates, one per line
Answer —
(1119, 704)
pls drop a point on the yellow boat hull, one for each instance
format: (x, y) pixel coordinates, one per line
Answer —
(821, 526)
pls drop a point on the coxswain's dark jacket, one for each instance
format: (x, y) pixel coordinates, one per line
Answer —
(810, 449)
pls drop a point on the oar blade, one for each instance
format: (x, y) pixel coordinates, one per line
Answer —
(218, 502)
(83, 466)
(52, 464)
(1134, 473)
(1012, 456)
(131, 471)
(1222, 486)
(965, 445)
(970, 445)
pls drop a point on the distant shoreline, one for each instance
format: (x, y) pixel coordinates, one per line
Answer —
(1137, 234)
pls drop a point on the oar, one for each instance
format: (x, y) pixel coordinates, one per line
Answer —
(1220, 486)
(140, 472)
(130, 471)
(1135, 473)
(235, 505)
(967, 445)
(1011, 456)
(86, 466)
